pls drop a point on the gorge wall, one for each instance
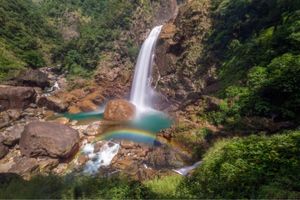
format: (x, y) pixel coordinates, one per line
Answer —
(180, 73)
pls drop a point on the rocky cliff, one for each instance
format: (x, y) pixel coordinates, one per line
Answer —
(180, 74)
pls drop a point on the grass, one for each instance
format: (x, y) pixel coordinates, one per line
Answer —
(165, 187)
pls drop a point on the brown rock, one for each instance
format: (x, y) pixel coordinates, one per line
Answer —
(74, 110)
(164, 158)
(16, 97)
(168, 31)
(4, 119)
(123, 164)
(96, 97)
(127, 144)
(24, 166)
(82, 159)
(33, 78)
(52, 103)
(119, 110)
(12, 135)
(86, 106)
(3, 151)
(46, 165)
(62, 120)
(14, 114)
(48, 139)
(92, 129)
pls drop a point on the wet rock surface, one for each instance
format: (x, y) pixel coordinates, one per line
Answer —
(119, 110)
(48, 139)
(138, 161)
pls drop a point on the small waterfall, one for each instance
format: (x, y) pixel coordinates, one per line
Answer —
(141, 82)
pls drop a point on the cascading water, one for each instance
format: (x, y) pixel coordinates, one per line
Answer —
(141, 82)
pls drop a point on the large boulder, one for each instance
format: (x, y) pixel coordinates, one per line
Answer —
(119, 110)
(52, 103)
(48, 139)
(33, 78)
(16, 97)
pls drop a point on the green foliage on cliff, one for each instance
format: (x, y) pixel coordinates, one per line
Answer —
(99, 25)
(257, 43)
(252, 167)
(24, 35)
(72, 33)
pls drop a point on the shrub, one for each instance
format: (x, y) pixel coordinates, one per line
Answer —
(252, 167)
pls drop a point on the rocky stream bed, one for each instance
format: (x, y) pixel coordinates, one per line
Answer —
(35, 139)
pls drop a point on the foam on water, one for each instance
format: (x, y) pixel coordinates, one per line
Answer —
(102, 158)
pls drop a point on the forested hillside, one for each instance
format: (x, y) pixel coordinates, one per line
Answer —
(257, 46)
(72, 34)
(225, 82)
(26, 38)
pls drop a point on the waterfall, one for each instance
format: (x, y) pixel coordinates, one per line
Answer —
(141, 82)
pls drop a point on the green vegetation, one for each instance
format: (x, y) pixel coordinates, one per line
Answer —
(251, 167)
(164, 188)
(24, 35)
(99, 24)
(72, 33)
(257, 43)
(54, 187)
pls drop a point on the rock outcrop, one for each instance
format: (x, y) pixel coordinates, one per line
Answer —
(119, 110)
(52, 103)
(48, 139)
(16, 97)
(33, 78)
(180, 72)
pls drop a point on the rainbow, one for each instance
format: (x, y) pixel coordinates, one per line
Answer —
(135, 135)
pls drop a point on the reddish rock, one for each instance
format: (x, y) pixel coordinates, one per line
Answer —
(119, 110)
(74, 110)
(49, 139)
(86, 106)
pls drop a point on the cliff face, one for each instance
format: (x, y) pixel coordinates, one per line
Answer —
(179, 73)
